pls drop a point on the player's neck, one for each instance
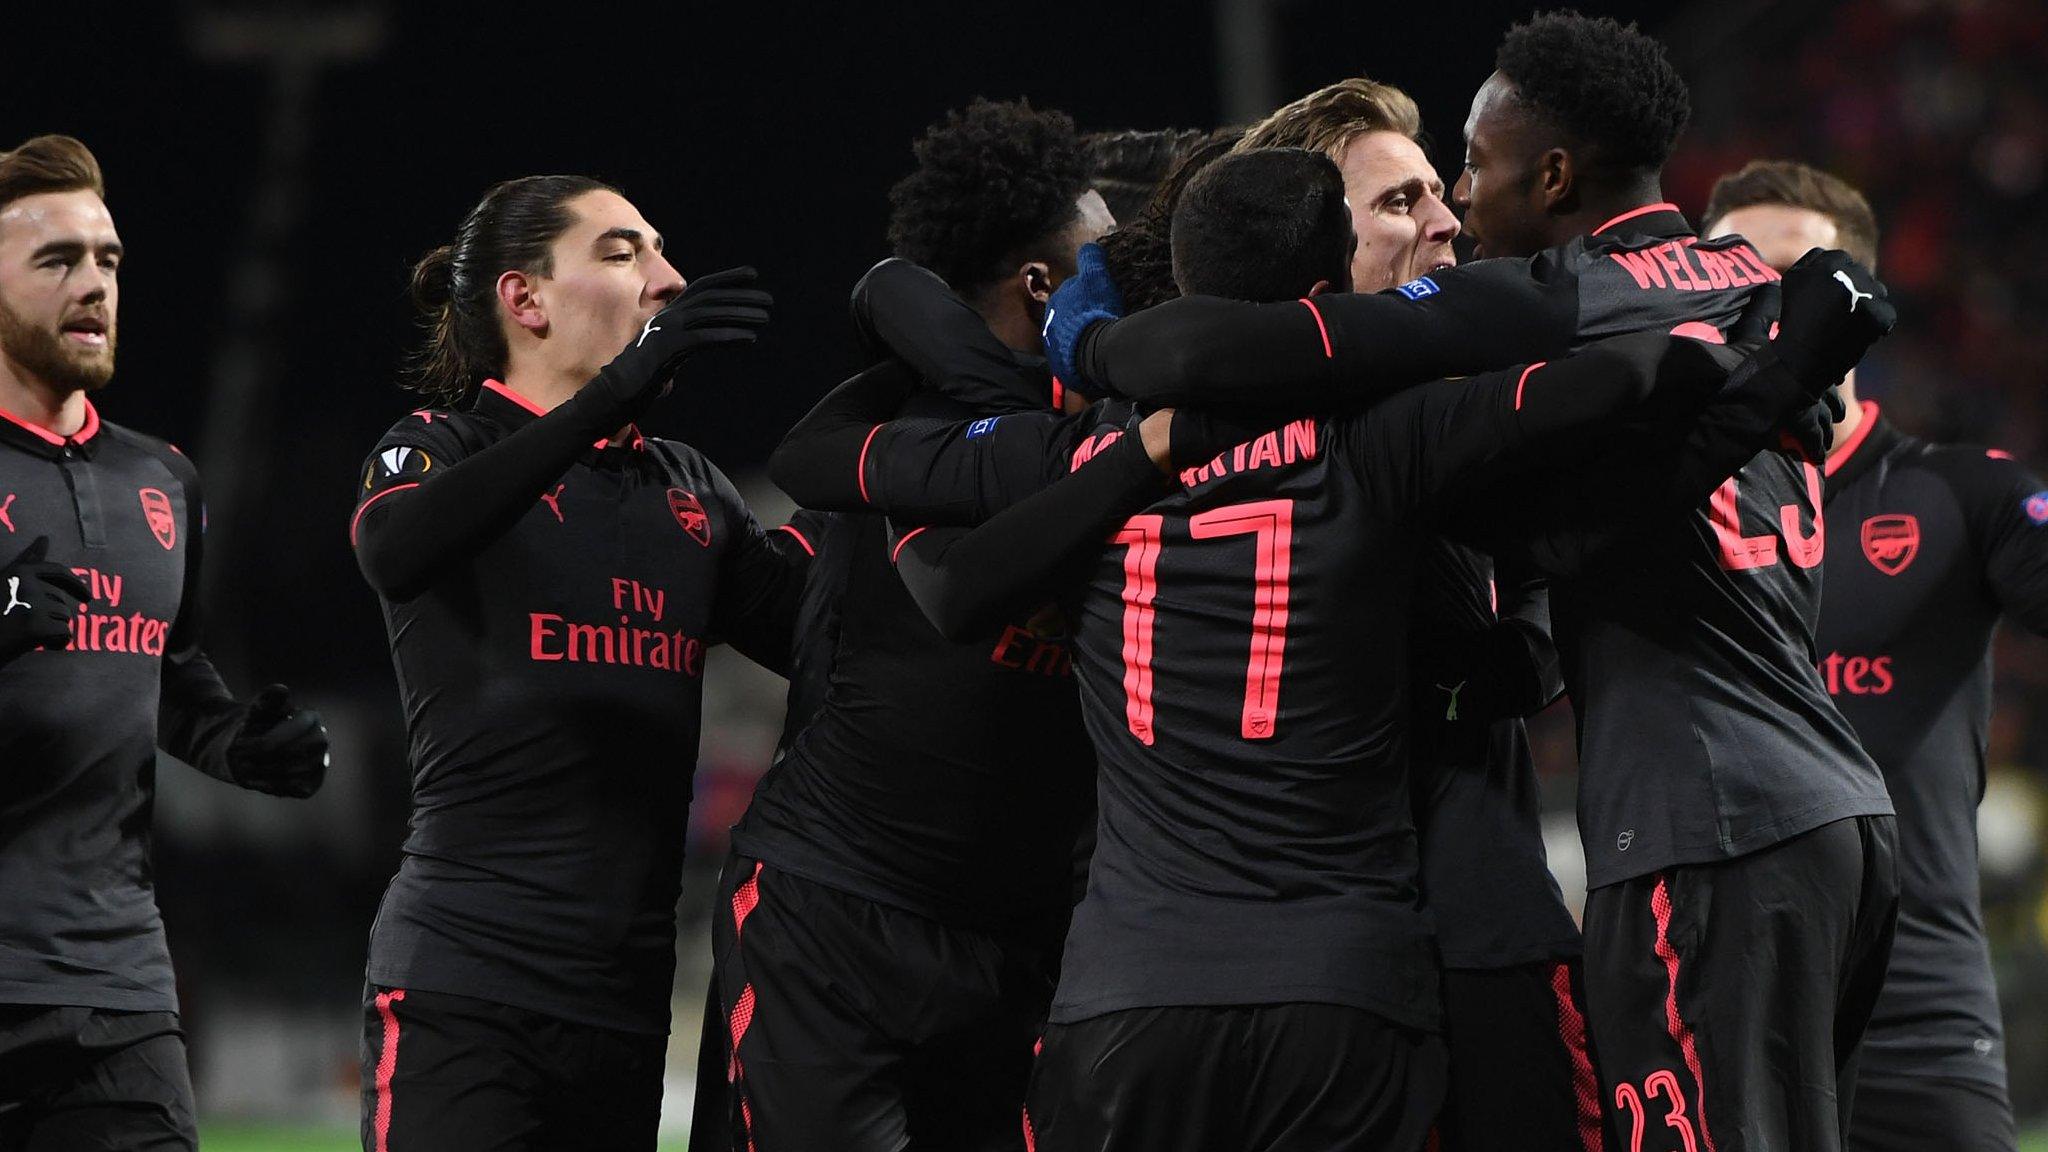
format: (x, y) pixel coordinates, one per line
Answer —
(1006, 317)
(32, 401)
(541, 386)
(1852, 415)
(548, 390)
(1598, 208)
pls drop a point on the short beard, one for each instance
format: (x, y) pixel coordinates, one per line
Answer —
(46, 355)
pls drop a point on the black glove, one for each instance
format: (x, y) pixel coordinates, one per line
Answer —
(1833, 311)
(41, 598)
(723, 308)
(1752, 329)
(1809, 433)
(277, 748)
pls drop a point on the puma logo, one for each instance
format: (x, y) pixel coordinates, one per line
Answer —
(13, 601)
(650, 328)
(553, 501)
(1854, 295)
(1451, 712)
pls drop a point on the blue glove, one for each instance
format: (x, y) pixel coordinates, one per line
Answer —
(1084, 298)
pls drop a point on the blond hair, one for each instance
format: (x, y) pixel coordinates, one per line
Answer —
(1329, 118)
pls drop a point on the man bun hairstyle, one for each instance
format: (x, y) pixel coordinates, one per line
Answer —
(455, 286)
(1606, 85)
(1262, 226)
(1139, 253)
(1795, 185)
(1129, 165)
(992, 180)
(49, 164)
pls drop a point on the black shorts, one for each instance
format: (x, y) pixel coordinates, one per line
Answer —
(855, 1026)
(1726, 1001)
(1314, 1077)
(443, 1073)
(1521, 1079)
(1910, 1114)
(74, 1078)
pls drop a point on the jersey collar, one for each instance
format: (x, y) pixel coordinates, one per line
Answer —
(514, 411)
(43, 442)
(1659, 219)
(1864, 448)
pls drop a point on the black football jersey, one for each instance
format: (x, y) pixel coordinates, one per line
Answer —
(79, 728)
(1928, 546)
(553, 691)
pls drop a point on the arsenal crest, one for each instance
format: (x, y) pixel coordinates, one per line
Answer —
(156, 508)
(690, 514)
(1891, 542)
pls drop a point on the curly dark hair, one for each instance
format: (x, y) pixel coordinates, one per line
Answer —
(1604, 83)
(991, 180)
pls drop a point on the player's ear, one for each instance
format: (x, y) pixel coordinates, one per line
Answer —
(1556, 180)
(518, 296)
(1036, 278)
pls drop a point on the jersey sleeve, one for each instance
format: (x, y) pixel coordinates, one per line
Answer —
(922, 471)
(1338, 350)
(798, 537)
(1518, 673)
(1670, 455)
(1454, 441)
(760, 585)
(423, 445)
(409, 524)
(902, 310)
(2006, 507)
(195, 717)
(1037, 549)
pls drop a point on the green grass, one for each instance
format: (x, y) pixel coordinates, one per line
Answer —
(273, 1138)
(265, 1138)
(2035, 1141)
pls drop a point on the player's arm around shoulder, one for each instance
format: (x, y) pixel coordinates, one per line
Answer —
(924, 471)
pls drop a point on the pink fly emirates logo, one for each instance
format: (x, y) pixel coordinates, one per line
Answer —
(1039, 647)
(1857, 675)
(100, 626)
(553, 639)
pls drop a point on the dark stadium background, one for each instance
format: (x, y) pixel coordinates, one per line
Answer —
(274, 168)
